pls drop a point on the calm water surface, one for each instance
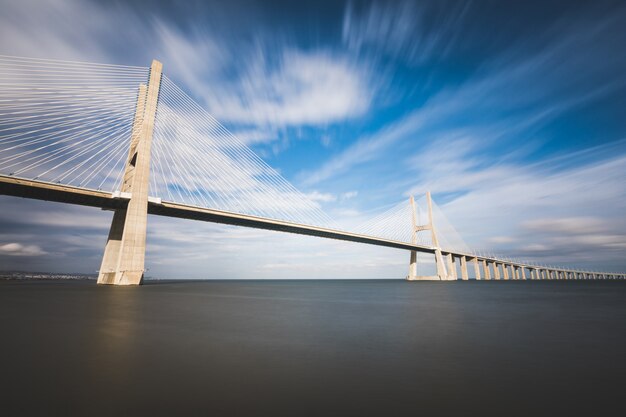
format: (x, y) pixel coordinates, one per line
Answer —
(319, 348)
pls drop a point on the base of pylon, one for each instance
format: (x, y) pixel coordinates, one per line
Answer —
(106, 278)
(121, 278)
(423, 278)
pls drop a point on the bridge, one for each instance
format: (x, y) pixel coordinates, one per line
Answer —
(129, 140)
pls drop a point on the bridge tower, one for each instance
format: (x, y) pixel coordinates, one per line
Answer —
(124, 255)
(442, 274)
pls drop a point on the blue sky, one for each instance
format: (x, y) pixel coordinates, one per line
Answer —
(511, 113)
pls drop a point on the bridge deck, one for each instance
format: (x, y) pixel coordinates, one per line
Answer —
(41, 190)
(95, 198)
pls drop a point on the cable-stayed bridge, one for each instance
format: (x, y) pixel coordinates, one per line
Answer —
(130, 140)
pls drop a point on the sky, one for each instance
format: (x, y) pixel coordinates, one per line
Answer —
(510, 113)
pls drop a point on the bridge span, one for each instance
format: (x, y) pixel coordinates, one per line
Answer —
(70, 131)
(484, 267)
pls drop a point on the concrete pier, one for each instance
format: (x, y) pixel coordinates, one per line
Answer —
(464, 274)
(476, 269)
(486, 270)
(496, 271)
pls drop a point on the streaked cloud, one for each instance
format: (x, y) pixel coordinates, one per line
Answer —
(17, 249)
(405, 30)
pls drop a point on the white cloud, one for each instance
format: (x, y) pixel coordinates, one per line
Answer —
(365, 149)
(502, 239)
(348, 195)
(256, 136)
(569, 225)
(300, 87)
(304, 89)
(323, 197)
(404, 29)
(546, 213)
(17, 249)
(193, 57)
(29, 28)
(509, 96)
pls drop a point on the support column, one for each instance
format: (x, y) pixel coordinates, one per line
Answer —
(123, 261)
(413, 257)
(505, 271)
(451, 267)
(523, 272)
(476, 269)
(496, 271)
(412, 266)
(486, 270)
(464, 274)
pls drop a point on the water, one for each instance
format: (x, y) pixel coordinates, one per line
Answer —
(327, 348)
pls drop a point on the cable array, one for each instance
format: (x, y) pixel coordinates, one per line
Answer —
(66, 122)
(449, 238)
(197, 161)
(396, 224)
(71, 123)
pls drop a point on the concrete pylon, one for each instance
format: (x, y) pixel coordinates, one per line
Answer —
(123, 261)
(442, 274)
(441, 268)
